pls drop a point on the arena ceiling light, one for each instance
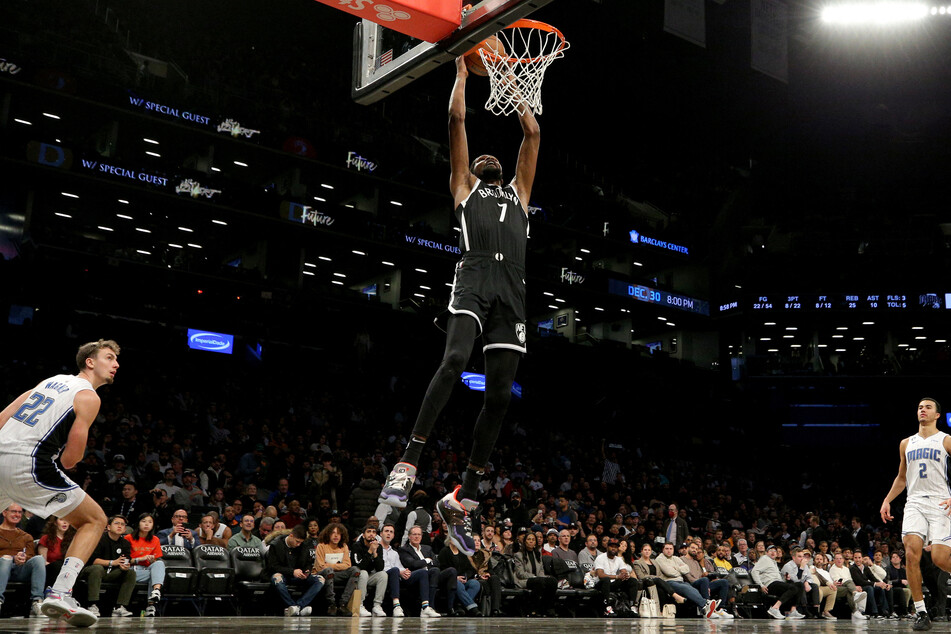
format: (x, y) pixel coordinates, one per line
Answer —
(338, 283)
(310, 264)
(186, 230)
(123, 201)
(215, 169)
(324, 258)
(61, 214)
(355, 252)
(124, 217)
(175, 246)
(319, 199)
(50, 115)
(396, 202)
(878, 13)
(152, 141)
(584, 250)
(553, 307)
(387, 263)
(68, 195)
(326, 186)
(155, 154)
(422, 271)
(23, 121)
(104, 228)
(547, 294)
(194, 246)
(240, 163)
(141, 230)
(309, 273)
(220, 222)
(638, 264)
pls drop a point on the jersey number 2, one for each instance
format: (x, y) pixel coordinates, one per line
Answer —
(29, 411)
(923, 471)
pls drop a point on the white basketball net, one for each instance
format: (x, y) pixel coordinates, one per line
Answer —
(516, 78)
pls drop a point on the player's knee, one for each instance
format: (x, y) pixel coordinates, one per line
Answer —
(454, 363)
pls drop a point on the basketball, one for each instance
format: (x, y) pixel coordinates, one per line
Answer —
(491, 44)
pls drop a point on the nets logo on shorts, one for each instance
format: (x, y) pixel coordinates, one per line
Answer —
(59, 498)
(520, 332)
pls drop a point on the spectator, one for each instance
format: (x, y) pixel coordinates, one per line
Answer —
(211, 531)
(55, 541)
(246, 537)
(364, 498)
(646, 571)
(877, 605)
(325, 479)
(489, 582)
(265, 527)
(178, 534)
(829, 590)
(215, 476)
(119, 474)
(673, 570)
(740, 558)
(516, 510)
(562, 550)
(587, 556)
(552, 541)
(530, 575)
(766, 574)
(368, 556)
(892, 592)
(415, 555)
(130, 503)
(860, 537)
(566, 515)
(162, 509)
(898, 577)
(699, 576)
(146, 558)
(796, 571)
(250, 497)
(284, 567)
(169, 484)
(295, 514)
(281, 496)
(467, 586)
(333, 552)
(842, 576)
(190, 495)
(111, 561)
(217, 502)
(614, 575)
(419, 516)
(18, 558)
(426, 579)
(675, 529)
(251, 468)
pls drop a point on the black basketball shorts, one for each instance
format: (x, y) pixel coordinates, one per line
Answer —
(491, 291)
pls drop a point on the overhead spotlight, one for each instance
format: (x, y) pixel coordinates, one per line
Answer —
(881, 13)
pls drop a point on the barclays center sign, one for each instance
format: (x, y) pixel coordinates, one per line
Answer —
(640, 238)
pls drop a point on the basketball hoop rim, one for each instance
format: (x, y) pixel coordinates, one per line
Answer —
(525, 23)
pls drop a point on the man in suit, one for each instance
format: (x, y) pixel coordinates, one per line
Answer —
(178, 534)
(860, 536)
(416, 556)
(675, 527)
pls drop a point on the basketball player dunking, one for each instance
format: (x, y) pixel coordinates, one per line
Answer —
(48, 422)
(923, 470)
(488, 299)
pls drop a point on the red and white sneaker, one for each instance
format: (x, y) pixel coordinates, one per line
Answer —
(62, 605)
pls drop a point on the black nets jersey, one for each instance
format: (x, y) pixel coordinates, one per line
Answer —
(492, 221)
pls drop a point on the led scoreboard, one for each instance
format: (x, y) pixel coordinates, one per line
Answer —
(848, 302)
(649, 295)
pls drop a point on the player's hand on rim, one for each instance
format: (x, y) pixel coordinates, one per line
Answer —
(461, 70)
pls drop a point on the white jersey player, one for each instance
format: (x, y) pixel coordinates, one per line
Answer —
(923, 471)
(44, 425)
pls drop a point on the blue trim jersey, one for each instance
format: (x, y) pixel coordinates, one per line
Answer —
(927, 467)
(39, 429)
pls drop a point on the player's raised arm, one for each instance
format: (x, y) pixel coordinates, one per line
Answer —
(460, 180)
(527, 155)
(897, 486)
(11, 409)
(86, 408)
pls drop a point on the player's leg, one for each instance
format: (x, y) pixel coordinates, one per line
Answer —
(90, 521)
(456, 508)
(913, 547)
(461, 332)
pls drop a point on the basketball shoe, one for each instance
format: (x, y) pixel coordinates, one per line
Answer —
(398, 485)
(457, 517)
(62, 605)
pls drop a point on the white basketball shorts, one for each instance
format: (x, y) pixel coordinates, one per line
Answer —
(37, 492)
(923, 517)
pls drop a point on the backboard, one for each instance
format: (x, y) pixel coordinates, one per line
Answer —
(384, 61)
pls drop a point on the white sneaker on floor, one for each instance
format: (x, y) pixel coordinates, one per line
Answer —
(291, 610)
(305, 611)
(858, 616)
(150, 610)
(795, 615)
(429, 613)
(723, 614)
(776, 614)
(35, 609)
(62, 605)
(398, 612)
(828, 616)
(365, 612)
(378, 610)
(120, 610)
(94, 609)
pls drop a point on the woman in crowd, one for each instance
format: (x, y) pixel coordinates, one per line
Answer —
(646, 571)
(333, 552)
(491, 583)
(530, 574)
(508, 543)
(55, 541)
(467, 586)
(147, 559)
(313, 533)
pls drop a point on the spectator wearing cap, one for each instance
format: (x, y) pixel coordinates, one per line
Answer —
(631, 521)
(515, 509)
(120, 473)
(190, 495)
(551, 541)
(614, 575)
(766, 574)
(419, 516)
(563, 549)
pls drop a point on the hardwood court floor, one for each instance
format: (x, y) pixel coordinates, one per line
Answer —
(446, 625)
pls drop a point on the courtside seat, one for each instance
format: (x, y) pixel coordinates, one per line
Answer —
(250, 586)
(181, 578)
